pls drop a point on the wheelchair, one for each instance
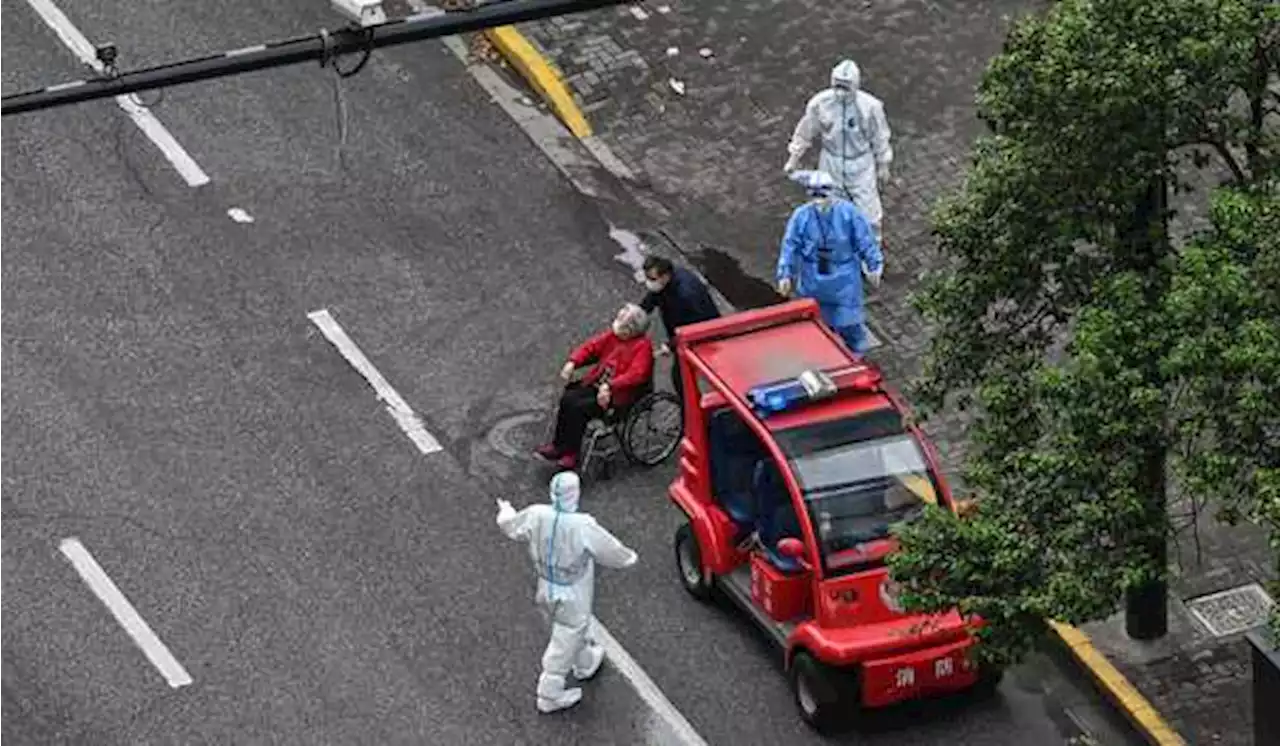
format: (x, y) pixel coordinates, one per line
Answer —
(645, 432)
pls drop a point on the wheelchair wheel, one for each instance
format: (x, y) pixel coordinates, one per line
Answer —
(653, 428)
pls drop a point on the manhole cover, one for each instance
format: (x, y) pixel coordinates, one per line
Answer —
(1231, 611)
(516, 436)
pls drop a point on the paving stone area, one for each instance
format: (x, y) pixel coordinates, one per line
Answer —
(1199, 682)
(699, 99)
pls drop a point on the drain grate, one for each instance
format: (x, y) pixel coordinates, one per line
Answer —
(1231, 611)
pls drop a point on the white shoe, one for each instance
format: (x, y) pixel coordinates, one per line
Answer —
(568, 698)
(553, 696)
(595, 658)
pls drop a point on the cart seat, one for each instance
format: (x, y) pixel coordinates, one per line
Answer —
(733, 448)
(776, 515)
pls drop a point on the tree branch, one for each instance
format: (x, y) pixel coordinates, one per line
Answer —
(1237, 171)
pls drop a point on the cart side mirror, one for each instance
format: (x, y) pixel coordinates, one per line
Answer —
(966, 508)
(791, 548)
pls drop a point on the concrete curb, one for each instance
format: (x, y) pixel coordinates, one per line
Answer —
(541, 76)
(1123, 695)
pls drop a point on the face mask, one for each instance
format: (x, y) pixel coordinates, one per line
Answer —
(653, 286)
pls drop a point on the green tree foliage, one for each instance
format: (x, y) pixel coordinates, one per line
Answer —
(1225, 299)
(1095, 355)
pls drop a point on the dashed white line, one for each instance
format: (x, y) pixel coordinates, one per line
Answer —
(141, 115)
(680, 727)
(399, 409)
(106, 591)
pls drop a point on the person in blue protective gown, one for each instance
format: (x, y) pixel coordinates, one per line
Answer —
(827, 247)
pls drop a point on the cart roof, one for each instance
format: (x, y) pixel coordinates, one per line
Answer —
(771, 354)
(771, 344)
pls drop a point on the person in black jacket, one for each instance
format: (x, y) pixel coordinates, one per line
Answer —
(681, 298)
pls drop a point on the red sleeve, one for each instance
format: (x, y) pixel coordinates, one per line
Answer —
(590, 351)
(638, 369)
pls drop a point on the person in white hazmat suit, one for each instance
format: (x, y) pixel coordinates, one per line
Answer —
(855, 141)
(565, 546)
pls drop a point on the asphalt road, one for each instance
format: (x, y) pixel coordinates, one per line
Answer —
(169, 403)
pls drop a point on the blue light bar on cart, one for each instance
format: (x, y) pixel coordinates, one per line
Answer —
(778, 397)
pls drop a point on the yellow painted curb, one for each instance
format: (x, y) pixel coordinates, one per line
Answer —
(1136, 707)
(539, 74)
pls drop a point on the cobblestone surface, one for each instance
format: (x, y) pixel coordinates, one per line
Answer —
(1200, 683)
(713, 155)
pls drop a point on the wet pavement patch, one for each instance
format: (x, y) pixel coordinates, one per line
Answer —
(727, 275)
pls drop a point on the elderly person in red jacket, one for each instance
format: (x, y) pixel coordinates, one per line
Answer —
(623, 357)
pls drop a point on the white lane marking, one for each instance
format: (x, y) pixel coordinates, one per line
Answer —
(648, 691)
(106, 591)
(141, 115)
(399, 409)
(239, 215)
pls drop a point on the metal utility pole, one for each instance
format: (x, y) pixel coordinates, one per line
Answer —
(322, 47)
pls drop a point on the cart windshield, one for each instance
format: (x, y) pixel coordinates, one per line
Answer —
(859, 476)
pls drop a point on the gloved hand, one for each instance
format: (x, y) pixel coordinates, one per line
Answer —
(882, 173)
(567, 371)
(504, 506)
(793, 162)
(663, 350)
(784, 287)
(873, 277)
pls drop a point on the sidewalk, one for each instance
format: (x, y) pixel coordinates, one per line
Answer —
(712, 154)
(1200, 681)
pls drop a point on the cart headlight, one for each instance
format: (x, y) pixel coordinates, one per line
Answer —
(889, 591)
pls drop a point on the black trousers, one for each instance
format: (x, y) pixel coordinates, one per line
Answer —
(676, 382)
(578, 406)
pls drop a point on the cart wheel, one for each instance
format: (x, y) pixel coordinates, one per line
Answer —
(820, 695)
(689, 563)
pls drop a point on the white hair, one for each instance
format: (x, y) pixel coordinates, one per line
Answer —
(634, 320)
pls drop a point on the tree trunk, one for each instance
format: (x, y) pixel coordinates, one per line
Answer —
(1146, 613)
(1257, 93)
(1146, 605)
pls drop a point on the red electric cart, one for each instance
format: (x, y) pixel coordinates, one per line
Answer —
(796, 460)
